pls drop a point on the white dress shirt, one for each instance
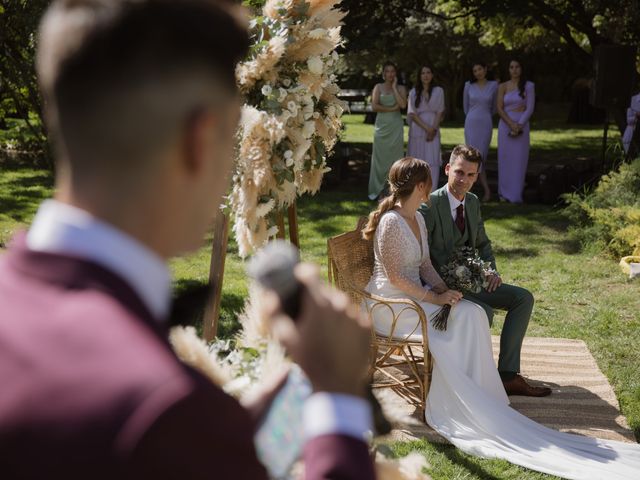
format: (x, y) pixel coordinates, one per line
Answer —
(454, 203)
(63, 229)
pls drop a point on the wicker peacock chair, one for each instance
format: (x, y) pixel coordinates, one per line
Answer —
(402, 363)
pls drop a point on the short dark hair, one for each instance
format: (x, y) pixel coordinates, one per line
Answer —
(119, 77)
(466, 152)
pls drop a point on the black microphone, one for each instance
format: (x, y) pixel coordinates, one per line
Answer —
(272, 267)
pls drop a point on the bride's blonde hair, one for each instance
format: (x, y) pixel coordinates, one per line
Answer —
(404, 175)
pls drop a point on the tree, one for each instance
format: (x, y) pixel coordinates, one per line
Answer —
(19, 94)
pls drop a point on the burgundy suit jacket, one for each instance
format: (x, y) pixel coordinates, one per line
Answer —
(90, 388)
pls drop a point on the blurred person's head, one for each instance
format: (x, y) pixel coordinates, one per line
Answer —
(389, 71)
(479, 71)
(424, 82)
(141, 105)
(517, 75)
(407, 177)
(462, 169)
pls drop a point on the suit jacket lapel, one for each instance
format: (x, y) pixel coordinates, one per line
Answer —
(472, 219)
(444, 212)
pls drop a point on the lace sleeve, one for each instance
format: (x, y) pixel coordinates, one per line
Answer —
(392, 244)
(428, 272)
(430, 276)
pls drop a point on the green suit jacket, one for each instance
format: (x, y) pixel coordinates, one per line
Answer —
(440, 225)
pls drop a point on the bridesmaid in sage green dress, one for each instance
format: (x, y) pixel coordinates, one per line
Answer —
(387, 99)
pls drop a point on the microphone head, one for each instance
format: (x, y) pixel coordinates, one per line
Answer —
(272, 267)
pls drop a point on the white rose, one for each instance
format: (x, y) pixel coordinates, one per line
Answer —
(462, 271)
(288, 158)
(308, 129)
(315, 65)
(286, 82)
(266, 90)
(282, 94)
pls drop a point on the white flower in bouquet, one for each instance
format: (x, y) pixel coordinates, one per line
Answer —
(266, 90)
(315, 65)
(462, 272)
(286, 82)
(282, 94)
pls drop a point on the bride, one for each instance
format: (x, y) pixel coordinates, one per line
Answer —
(467, 403)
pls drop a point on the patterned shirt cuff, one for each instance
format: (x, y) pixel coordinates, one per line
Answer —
(334, 413)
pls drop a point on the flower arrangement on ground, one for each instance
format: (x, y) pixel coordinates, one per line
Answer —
(292, 114)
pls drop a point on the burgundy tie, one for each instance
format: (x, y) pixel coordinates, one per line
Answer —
(460, 218)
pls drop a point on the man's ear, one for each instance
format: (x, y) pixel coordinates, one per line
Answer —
(446, 168)
(197, 140)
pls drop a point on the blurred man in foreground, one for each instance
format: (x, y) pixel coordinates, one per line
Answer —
(141, 104)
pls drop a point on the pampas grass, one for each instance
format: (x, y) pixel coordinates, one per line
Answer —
(292, 114)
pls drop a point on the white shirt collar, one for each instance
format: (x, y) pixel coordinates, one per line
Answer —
(64, 229)
(454, 202)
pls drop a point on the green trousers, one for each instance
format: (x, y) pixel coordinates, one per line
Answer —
(518, 302)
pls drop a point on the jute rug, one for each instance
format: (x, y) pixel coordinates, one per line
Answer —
(582, 401)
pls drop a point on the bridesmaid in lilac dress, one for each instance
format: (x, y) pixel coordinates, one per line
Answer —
(479, 103)
(516, 99)
(424, 112)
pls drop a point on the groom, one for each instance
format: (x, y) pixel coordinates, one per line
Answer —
(453, 220)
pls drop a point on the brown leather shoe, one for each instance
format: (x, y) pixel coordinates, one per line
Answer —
(519, 386)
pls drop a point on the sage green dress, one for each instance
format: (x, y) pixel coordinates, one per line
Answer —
(388, 145)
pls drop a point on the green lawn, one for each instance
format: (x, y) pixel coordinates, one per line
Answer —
(552, 140)
(578, 294)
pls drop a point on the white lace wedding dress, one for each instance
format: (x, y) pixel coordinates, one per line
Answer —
(467, 403)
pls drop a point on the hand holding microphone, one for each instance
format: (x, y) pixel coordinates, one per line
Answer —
(318, 326)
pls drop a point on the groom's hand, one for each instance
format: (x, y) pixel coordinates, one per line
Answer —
(494, 282)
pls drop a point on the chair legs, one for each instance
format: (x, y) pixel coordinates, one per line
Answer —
(411, 382)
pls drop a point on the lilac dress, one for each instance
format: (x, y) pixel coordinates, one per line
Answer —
(479, 106)
(632, 119)
(513, 152)
(418, 146)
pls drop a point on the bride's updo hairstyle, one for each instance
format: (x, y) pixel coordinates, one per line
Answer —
(404, 175)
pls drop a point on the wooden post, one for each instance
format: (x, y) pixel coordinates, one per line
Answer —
(280, 224)
(293, 225)
(218, 256)
(216, 275)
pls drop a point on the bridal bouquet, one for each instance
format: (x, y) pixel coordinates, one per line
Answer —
(466, 272)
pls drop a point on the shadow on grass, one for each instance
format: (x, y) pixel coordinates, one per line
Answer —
(192, 314)
(23, 190)
(457, 457)
(516, 252)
